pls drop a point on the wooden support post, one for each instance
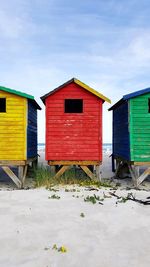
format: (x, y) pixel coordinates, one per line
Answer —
(53, 170)
(118, 162)
(88, 172)
(24, 175)
(133, 174)
(143, 176)
(61, 171)
(98, 174)
(22, 171)
(10, 173)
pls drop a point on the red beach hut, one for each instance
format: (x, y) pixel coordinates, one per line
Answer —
(74, 126)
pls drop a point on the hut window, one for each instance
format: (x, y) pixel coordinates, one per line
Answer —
(149, 105)
(73, 105)
(2, 104)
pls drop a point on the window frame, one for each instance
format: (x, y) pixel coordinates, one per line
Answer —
(4, 98)
(74, 99)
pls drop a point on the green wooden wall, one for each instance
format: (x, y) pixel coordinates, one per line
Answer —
(140, 128)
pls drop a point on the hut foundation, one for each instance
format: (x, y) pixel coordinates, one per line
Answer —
(22, 166)
(125, 167)
(84, 165)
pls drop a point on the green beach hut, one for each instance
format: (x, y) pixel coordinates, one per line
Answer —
(131, 134)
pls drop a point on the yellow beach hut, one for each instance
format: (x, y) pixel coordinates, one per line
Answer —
(18, 132)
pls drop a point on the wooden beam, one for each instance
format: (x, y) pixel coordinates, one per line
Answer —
(118, 162)
(53, 170)
(31, 160)
(24, 175)
(74, 162)
(143, 176)
(12, 162)
(20, 172)
(88, 172)
(10, 173)
(141, 163)
(133, 174)
(61, 171)
(98, 173)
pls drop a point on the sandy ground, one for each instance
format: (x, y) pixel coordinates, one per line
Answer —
(110, 235)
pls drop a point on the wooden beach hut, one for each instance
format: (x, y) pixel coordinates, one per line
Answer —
(18, 132)
(74, 126)
(131, 134)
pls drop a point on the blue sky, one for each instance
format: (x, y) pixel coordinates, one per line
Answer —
(105, 44)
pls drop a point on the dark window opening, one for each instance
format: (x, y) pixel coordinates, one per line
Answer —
(73, 105)
(2, 104)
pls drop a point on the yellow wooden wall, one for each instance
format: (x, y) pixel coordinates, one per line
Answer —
(13, 128)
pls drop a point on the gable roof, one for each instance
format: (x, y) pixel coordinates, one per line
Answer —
(83, 85)
(15, 92)
(129, 96)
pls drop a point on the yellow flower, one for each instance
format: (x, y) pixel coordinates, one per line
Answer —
(63, 249)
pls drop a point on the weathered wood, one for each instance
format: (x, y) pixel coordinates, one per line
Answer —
(141, 163)
(31, 160)
(133, 174)
(118, 162)
(143, 176)
(12, 162)
(10, 173)
(20, 172)
(22, 169)
(88, 172)
(133, 169)
(73, 162)
(61, 171)
(53, 170)
(98, 173)
(13, 130)
(71, 136)
(24, 175)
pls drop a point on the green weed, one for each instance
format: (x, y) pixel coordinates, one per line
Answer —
(93, 199)
(54, 197)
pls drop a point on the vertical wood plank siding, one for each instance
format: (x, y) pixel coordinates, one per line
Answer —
(140, 128)
(73, 136)
(13, 128)
(32, 130)
(121, 145)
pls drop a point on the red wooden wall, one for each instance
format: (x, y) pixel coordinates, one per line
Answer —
(73, 136)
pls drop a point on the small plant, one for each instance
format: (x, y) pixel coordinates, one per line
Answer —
(122, 200)
(52, 189)
(82, 215)
(62, 249)
(55, 247)
(93, 199)
(54, 197)
(125, 199)
(70, 190)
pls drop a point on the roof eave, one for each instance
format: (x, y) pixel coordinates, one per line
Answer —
(83, 85)
(117, 104)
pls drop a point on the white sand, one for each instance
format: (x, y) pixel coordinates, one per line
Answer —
(108, 235)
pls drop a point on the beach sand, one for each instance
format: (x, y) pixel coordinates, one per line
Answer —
(110, 235)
